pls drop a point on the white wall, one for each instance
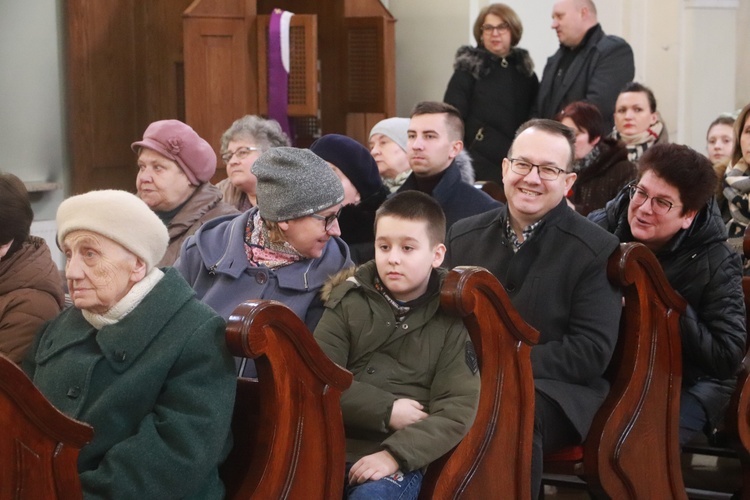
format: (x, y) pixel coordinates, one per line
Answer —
(31, 109)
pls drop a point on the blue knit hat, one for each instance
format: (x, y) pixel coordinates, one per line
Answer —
(353, 159)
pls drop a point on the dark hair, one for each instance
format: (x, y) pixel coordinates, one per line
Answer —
(15, 212)
(638, 87)
(586, 116)
(684, 168)
(453, 120)
(506, 14)
(739, 124)
(551, 127)
(720, 120)
(416, 206)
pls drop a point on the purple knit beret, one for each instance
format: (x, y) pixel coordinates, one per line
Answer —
(180, 143)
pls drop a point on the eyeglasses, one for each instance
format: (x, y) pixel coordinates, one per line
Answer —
(329, 220)
(499, 29)
(546, 172)
(660, 206)
(241, 153)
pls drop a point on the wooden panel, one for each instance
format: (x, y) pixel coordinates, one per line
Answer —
(216, 69)
(370, 65)
(303, 70)
(123, 71)
(358, 126)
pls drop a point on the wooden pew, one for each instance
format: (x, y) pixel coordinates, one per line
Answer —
(288, 431)
(632, 449)
(494, 459)
(38, 444)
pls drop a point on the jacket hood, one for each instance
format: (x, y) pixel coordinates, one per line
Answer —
(707, 227)
(31, 266)
(478, 61)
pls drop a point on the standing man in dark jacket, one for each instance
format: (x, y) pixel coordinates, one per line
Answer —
(588, 66)
(552, 262)
(672, 211)
(434, 141)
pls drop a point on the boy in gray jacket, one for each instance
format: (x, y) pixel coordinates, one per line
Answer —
(416, 382)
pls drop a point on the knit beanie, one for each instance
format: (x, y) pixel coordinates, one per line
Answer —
(353, 159)
(393, 128)
(293, 183)
(181, 144)
(120, 216)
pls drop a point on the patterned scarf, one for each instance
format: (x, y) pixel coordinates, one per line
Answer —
(638, 144)
(261, 251)
(587, 160)
(737, 194)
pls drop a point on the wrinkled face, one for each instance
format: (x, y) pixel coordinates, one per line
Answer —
(583, 144)
(567, 21)
(404, 256)
(308, 235)
(431, 149)
(633, 114)
(161, 183)
(529, 196)
(99, 271)
(496, 38)
(720, 142)
(238, 166)
(649, 228)
(351, 195)
(391, 159)
(745, 140)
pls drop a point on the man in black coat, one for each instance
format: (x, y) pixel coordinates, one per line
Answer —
(588, 66)
(434, 141)
(671, 210)
(553, 263)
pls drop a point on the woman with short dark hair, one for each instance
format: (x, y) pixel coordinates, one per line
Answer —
(601, 162)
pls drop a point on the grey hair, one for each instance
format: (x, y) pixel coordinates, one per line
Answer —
(266, 134)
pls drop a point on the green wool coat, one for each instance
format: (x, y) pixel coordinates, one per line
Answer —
(428, 357)
(158, 388)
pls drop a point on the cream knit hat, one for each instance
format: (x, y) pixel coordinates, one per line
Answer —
(120, 216)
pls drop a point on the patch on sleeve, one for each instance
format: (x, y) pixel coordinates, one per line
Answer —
(471, 358)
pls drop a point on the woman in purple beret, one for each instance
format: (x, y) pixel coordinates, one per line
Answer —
(175, 166)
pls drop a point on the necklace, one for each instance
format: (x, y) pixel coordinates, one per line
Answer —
(504, 62)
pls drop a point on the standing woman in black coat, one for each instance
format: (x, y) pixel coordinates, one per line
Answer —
(493, 87)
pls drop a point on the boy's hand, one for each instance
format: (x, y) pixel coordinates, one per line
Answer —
(372, 467)
(405, 412)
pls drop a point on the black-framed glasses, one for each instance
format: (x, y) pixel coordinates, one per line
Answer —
(660, 206)
(499, 29)
(546, 172)
(241, 153)
(328, 220)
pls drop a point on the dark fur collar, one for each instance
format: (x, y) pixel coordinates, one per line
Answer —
(478, 61)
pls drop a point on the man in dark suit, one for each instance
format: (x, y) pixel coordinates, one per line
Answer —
(553, 263)
(588, 66)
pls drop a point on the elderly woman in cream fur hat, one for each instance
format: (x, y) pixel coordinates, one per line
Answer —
(137, 357)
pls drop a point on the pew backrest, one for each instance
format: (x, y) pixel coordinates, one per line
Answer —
(39, 445)
(287, 426)
(494, 459)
